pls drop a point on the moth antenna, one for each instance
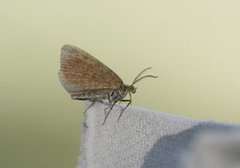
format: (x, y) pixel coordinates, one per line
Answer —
(146, 76)
(141, 73)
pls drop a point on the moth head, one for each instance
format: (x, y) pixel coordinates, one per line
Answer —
(128, 89)
(132, 89)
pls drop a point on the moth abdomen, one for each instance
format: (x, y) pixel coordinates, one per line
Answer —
(91, 95)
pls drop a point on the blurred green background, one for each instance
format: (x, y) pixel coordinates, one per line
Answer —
(192, 45)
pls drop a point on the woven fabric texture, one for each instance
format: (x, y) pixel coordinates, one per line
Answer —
(142, 138)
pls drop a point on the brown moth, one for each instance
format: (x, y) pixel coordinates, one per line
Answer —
(86, 78)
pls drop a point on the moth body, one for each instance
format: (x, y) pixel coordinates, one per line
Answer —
(86, 78)
(111, 95)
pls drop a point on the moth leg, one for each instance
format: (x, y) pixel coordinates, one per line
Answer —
(93, 102)
(85, 111)
(111, 107)
(108, 104)
(129, 102)
(104, 103)
(124, 100)
(105, 109)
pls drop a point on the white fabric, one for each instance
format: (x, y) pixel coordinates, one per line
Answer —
(141, 138)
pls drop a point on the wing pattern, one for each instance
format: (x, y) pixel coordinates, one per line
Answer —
(79, 72)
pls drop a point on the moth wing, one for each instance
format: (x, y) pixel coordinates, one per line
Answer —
(79, 72)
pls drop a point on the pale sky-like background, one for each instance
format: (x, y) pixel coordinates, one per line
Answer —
(194, 47)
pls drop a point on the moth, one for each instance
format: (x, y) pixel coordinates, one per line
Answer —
(86, 78)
